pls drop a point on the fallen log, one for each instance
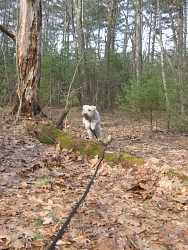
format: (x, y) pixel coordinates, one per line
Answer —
(46, 133)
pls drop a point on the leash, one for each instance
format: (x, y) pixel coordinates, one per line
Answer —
(62, 230)
(93, 131)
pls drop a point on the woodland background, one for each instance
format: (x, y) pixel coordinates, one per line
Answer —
(131, 55)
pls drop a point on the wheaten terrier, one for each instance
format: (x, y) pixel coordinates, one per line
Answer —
(91, 120)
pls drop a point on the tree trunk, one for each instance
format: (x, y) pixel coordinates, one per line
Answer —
(180, 51)
(109, 47)
(29, 57)
(153, 37)
(138, 40)
(162, 61)
(80, 41)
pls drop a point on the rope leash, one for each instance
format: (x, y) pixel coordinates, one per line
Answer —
(62, 230)
(93, 131)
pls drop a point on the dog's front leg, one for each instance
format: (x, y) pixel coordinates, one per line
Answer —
(90, 133)
(88, 128)
(93, 124)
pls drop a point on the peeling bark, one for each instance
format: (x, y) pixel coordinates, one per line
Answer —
(29, 55)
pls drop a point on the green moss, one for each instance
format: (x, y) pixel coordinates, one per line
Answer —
(48, 134)
(125, 159)
(113, 158)
(46, 139)
(183, 177)
(41, 182)
(91, 148)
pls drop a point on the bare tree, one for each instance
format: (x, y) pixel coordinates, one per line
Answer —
(180, 52)
(28, 44)
(179, 30)
(162, 59)
(109, 47)
(79, 18)
(138, 39)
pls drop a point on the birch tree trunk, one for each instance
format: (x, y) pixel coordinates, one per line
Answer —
(29, 57)
(180, 7)
(162, 59)
(78, 8)
(108, 48)
(138, 40)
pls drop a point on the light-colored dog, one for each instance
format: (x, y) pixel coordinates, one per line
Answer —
(91, 120)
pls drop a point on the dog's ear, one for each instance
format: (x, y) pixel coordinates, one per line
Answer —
(84, 106)
(93, 107)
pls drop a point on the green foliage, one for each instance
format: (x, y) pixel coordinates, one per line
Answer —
(146, 207)
(183, 177)
(146, 95)
(180, 125)
(56, 75)
(37, 237)
(8, 77)
(110, 82)
(116, 63)
(38, 223)
(54, 218)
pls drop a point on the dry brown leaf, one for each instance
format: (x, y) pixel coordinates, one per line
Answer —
(106, 244)
(166, 183)
(37, 244)
(113, 215)
(5, 234)
(17, 244)
(47, 220)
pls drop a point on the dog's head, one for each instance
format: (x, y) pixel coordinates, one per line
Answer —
(88, 111)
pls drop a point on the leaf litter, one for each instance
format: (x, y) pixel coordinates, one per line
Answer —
(141, 207)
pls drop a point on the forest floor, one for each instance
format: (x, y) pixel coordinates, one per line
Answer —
(142, 207)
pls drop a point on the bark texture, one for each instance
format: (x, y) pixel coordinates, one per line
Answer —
(29, 55)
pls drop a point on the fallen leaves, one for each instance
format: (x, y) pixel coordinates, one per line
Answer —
(145, 207)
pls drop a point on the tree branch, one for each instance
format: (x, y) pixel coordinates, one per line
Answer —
(11, 35)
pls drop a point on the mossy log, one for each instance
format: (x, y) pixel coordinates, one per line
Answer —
(51, 135)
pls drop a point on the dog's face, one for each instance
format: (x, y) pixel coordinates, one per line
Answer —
(88, 111)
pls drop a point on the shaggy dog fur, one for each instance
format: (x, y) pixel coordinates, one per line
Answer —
(91, 120)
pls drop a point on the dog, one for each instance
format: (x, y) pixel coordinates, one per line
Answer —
(91, 120)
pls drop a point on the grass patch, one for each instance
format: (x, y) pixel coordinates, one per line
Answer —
(54, 218)
(41, 182)
(92, 208)
(37, 237)
(38, 223)
(183, 177)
